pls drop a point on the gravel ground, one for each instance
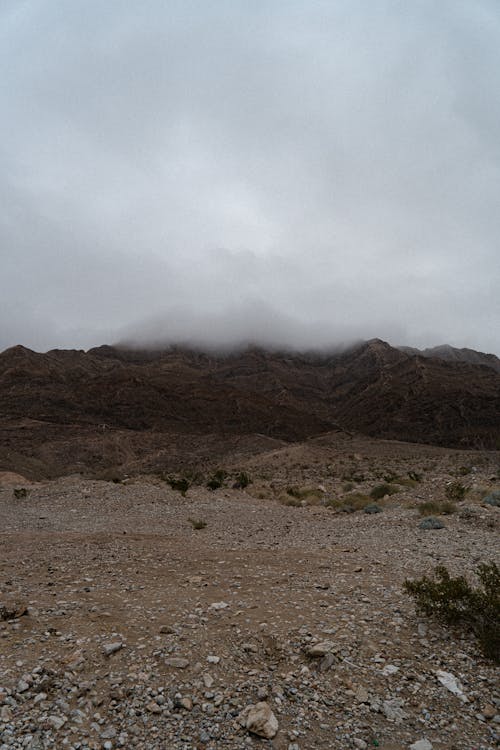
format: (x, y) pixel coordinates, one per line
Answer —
(142, 632)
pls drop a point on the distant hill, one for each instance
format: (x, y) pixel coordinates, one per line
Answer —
(73, 410)
(451, 354)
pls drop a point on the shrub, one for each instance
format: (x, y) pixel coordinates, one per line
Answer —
(20, 492)
(381, 490)
(415, 476)
(197, 523)
(217, 480)
(180, 485)
(432, 507)
(390, 477)
(242, 480)
(308, 495)
(431, 523)
(455, 491)
(350, 503)
(453, 601)
(492, 498)
(290, 501)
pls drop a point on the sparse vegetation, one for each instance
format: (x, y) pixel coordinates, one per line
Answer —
(431, 522)
(455, 491)
(178, 484)
(453, 601)
(415, 476)
(381, 490)
(350, 503)
(433, 507)
(290, 501)
(307, 495)
(20, 492)
(197, 523)
(492, 498)
(242, 480)
(217, 480)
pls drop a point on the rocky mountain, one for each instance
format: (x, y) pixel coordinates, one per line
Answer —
(70, 410)
(452, 354)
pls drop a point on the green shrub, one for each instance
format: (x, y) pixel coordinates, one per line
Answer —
(455, 491)
(217, 480)
(433, 507)
(242, 480)
(381, 490)
(415, 476)
(350, 503)
(197, 523)
(179, 485)
(290, 501)
(307, 494)
(453, 601)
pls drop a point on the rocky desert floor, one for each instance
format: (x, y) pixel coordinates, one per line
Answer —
(126, 627)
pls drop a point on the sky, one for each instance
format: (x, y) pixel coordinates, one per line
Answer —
(296, 173)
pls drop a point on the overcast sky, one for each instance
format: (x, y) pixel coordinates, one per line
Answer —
(298, 172)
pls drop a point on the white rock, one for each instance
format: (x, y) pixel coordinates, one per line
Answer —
(260, 720)
(421, 745)
(393, 711)
(177, 662)
(389, 669)
(451, 683)
(57, 721)
(219, 605)
(111, 647)
(317, 650)
(213, 659)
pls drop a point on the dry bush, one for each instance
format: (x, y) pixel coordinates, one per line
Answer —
(454, 602)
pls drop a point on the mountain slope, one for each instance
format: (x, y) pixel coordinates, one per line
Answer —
(75, 407)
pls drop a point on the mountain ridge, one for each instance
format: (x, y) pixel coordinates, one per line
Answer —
(185, 397)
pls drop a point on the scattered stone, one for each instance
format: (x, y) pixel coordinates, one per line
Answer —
(451, 683)
(57, 721)
(362, 695)
(111, 648)
(326, 662)
(488, 711)
(177, 662)
(421, 745)
(390, 669)
(372, 508)
(317, 650)
(260, 720)
(392, 709)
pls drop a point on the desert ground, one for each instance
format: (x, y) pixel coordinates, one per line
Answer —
(126, 626)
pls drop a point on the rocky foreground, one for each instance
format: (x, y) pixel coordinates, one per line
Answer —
(124, 626)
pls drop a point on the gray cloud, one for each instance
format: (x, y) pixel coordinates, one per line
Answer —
(290, 172)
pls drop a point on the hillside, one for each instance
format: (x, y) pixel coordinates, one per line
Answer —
(73, 410)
